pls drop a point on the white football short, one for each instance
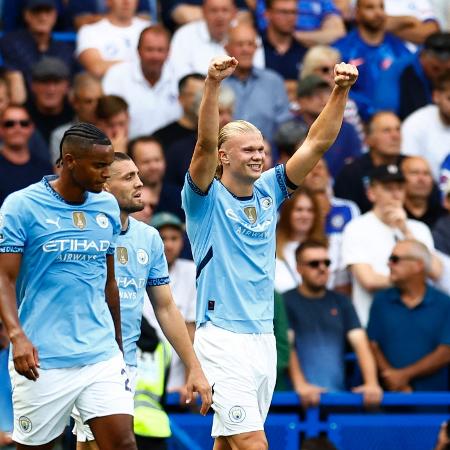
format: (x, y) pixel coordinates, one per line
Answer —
(82, 430)
(241, 368)
(42, 408)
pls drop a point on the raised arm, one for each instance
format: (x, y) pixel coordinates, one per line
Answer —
(325, 129)
(204, 160)
(25, 355)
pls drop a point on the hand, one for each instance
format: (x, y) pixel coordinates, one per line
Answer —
(443, 439)
(197, 382)
(395, 379)
(395, 216)
(309, 394)
(345, 75)
(25, 357)
(372, 393)
(119, 141)
(221, 67)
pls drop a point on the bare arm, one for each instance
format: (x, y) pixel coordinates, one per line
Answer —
(93, 62)
(411, 29)
(17, 87)
(430, 363)
(185, 13)
(325, 128)
(370, 389)
(204, 160)
(332, 28)
(25, 355)
(368, 278)
(174, 328)
(113, 299)
(309, 393)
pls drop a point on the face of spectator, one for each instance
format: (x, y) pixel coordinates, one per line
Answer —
(4, 97)
(116, 125)
(85, 101)
(125, 184)
(268, 159)
(153, 52)
(49, 94)
(188, 95)
(122, 9)
(16, 128)
(313, 104)
(242, 45)
(172, 238)
(403, 264)
(302, 215)
(312, 266)
(387, 195)
(419, 181)
(442, 100)
(149, 159)
(282, 16)
(370, 14)
(225, 115)
(318, 179)
(433, 66)
(384, 135)
(325, 69)
(40, 20)
(149, 203)
(218, 15)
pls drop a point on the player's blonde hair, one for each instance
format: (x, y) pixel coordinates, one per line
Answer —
(231, 129)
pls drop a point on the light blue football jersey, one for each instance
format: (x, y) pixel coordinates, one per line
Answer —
(233, 244)
(61, 284)
(140, 262)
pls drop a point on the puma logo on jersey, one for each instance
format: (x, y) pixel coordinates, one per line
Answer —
(54, 222)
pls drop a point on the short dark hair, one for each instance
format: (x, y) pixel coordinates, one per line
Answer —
(120, 156)
(131, 147)
(269, 3)
(82, 136)
(310, 243)
(155, 29)
(183, 81)
(110, 105)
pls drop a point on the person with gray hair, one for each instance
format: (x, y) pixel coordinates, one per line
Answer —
(409, 324)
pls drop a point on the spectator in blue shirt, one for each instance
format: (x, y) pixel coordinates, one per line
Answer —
(371, 49)
(322, 321)
(318, 21)
(409, 324)
(282, 52)
(260, 94)
(22, 49)
(407, 85)
(312, 95)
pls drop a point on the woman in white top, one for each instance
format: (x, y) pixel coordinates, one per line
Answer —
(300, 220)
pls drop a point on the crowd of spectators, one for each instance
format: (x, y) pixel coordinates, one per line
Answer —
(372, 217)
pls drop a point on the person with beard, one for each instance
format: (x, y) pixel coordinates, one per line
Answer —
(140, 267)
(371, 48)
(321, 321)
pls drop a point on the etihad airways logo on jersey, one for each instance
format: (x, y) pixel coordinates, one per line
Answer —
(125, 284)
(76, 245)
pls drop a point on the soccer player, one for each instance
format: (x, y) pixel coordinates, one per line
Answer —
(231, 224)
(139, 264)
(57, 243)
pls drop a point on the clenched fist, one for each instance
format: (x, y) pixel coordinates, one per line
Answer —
(221, 67)
(345, 75)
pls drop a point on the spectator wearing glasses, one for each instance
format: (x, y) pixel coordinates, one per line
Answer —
(409, 324)
(369, 239)
(19, 167)
(321, 321)
(371, 48)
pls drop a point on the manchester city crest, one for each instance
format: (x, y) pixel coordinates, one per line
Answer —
(236, 414)
(102, 220)
(250, 212)
(79, 219)
(122, 255)
(142, 256)
(25, 424)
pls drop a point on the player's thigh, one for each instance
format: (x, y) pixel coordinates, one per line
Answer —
(47, 446)
(254, 440)
(113, 432)
(42, 408)
(88, 445)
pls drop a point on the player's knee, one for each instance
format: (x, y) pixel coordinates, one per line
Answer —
(127, 442)
(256, 443)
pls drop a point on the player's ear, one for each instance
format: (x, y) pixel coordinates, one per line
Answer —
(224, 157)
(68, 160)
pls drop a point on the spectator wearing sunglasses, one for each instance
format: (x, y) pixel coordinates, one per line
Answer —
(322, 320)
(19, 167)
(409, 325)
(369, 239)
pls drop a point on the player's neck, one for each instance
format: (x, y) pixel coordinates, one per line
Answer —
(67, 190)
(237, 187)
(124, 220)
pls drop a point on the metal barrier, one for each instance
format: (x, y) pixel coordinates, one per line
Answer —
(404, 421)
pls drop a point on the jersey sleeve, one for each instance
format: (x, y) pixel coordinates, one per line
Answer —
(13, 226)
(116, 225)
(195, 202)
(159, 272)
(275, 181)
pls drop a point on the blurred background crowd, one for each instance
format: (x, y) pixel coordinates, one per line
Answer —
(372, 272)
